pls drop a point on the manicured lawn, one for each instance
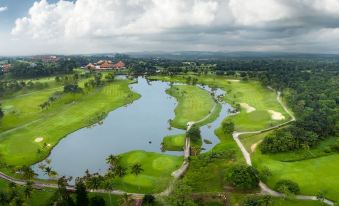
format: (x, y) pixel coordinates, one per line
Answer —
(312, 175)
(194, 104)
(250, 92)
(156, 175)
(71, 112)
(174, 142)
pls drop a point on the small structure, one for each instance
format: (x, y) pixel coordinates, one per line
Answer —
(5, 68)
(103, 65)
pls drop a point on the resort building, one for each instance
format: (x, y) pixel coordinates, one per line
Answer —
(105, 65)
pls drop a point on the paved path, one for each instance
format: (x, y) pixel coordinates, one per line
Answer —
(264, 188)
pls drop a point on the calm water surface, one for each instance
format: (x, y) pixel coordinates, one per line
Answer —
(137, 126)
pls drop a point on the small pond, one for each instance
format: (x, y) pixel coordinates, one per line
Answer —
(140, 125)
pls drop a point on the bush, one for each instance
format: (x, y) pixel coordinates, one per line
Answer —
(243, 177)
(148, 200)
(97, 201)
(265, 173)
(258, 201)
(194, 134)
(279, 141)
(287, 186)
(335, 147)
(72, 88)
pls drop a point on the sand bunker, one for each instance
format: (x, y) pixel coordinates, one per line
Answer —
(233, 80)
(248, 108)
(39, 139)
(276, 115)
(255, 145)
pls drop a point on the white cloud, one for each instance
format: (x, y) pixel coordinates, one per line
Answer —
(104, 25)
(3, 8)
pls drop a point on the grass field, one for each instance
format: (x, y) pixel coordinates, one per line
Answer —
(194, 104)
(312, 175)
(71, 112)
(250, 92)
(156, 175)
(209, 176)
(174, 142)
(314, 170)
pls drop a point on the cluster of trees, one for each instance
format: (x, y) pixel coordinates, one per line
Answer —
(27, 69)
(10, 86)
(288, 139)
(16, 195)
(116, 170)
(287, 187)
(243, 177)
(313, 97)
(256, 200)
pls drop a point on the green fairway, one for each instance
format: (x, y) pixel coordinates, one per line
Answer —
(156, 175)
(260, 108)
(194, 104)
(174, 142)
(32, 142)
(312, 175)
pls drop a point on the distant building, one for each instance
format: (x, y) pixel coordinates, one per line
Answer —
(46, 58)
(103, 65)
(5, 68)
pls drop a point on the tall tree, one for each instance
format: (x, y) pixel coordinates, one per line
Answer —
(81, 193)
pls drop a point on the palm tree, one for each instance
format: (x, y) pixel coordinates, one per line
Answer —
(120, 171)
(125, 199)
(109, 186)
(50, 172)
(27, 172)
(94, 181)
(28, 189)
(136, 169)
(4, 198)
(113, 160)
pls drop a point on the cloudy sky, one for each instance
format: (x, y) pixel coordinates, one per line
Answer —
(97, 26)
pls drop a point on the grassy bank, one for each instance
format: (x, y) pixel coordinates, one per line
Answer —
(156, 175)
(174, 142)
(194, 104)
(256, 100)
(69, 113)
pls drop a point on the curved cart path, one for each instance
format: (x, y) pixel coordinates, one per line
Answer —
(264, 188)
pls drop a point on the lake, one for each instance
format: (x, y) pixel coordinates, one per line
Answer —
(140, 125)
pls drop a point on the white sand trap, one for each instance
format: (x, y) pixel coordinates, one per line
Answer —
(39, 139)
(248, 108)
(49, 145)
(255, 145)
(233, 80)
(276, 115)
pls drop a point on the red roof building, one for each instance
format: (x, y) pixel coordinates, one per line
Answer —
(119, 65)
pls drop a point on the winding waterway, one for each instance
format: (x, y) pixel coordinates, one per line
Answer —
(137, 126)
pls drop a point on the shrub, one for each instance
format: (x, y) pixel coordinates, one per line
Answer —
(287, 186)
(97, 201)
(148, 200)
(265, 173)
(335, 147)
(243, 177)
(279, 141)
(258, 201)
(194, 134)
